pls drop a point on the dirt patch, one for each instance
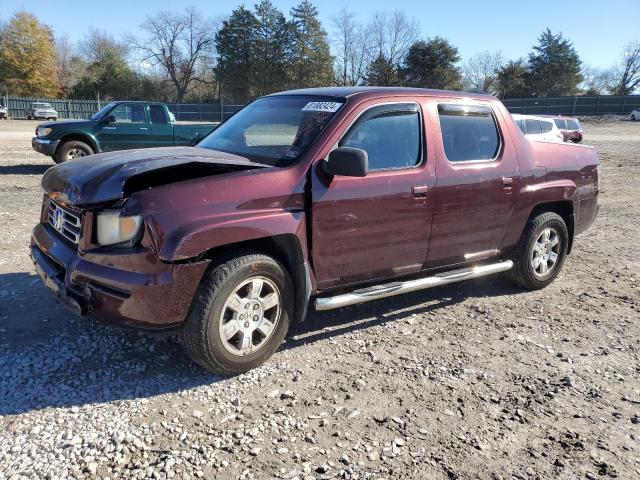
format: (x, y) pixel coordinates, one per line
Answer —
(475, 380)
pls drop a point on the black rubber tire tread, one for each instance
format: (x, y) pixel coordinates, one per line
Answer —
(522, 273)
(62, 150)
(195, 333)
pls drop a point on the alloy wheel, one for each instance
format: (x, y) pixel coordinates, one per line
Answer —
(546, 251)
(250, 316)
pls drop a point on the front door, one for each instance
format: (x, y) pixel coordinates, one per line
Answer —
(377, 226)
(478, 178)
(128, 130)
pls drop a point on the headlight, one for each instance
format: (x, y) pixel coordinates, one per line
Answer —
(111, 228)
(43, 131)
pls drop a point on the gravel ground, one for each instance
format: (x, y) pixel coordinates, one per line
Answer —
(474, 380)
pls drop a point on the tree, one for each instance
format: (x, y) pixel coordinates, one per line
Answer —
(596, 81)
(97, 44)
(352, 46)
(271, 49)
(27, 57)
(432, 64)
(178, 43)
(480, 72)
(235, 42)
(381, 72)
(626, 78)
(513, 80)
(392, 36)
(311, 62)
(110, 77)
(69, 65)
(554, 66)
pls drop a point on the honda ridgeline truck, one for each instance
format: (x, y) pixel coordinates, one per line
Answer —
(329, 197)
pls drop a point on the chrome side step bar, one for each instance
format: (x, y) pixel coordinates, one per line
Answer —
(396, 288)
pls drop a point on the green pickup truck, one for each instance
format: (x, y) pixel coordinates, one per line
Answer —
(117, 126)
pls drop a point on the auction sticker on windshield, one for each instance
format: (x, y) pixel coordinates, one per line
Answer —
(321, 107)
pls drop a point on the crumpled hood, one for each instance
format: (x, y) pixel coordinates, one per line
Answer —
(103, 177)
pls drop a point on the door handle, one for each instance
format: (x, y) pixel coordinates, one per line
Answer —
(507, 183)
(144, 128)
(419, 190)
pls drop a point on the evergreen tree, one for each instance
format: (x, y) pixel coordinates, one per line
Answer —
(554, 66)
(513, 80)
(311, 62)
(28, 58)
(432, 64)
(271, 49)
(235, 44)
(381, 72)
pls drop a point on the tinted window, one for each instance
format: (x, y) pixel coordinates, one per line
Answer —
(573, 124)
(129, 113)
(157, 115)
(546, 126)
(468, 132)
(533, 126)
(560, 123)
(274, 130)
(389, 134)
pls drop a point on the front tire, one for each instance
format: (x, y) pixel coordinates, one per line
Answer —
(540, 254)
(72, 149)
(240, 314)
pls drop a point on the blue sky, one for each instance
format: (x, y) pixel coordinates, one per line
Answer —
(599, 29)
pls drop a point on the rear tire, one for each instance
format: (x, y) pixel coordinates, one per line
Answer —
(217, 333)
(540, 254)
(72, 149)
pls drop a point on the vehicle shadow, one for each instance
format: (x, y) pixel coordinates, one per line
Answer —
(24, 169)
(52, 358)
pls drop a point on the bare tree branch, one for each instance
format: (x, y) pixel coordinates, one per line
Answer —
(480, 72)
(178, 44)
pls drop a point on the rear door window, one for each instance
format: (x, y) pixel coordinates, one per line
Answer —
(533, 126)
(157, 115)
(469, 132)
(390, 134)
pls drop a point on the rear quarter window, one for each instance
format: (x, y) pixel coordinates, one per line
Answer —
(469, 132)
(561, 123)
(546, 126)
(573, 124)
(533, 126)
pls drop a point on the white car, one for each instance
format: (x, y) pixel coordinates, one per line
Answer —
(41, 110)
(635, 114)
(538, 128)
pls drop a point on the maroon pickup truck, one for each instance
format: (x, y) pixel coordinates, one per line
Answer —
(330, 197)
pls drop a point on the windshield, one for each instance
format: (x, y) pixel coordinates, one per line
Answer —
(99, 114)
(274, 130)
(41, 105)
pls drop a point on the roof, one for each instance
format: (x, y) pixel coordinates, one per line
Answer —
(361, 91)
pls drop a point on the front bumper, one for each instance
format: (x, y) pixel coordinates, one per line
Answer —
(44, 146)
(146, 294)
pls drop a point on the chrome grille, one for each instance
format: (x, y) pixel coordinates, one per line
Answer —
(65, 222)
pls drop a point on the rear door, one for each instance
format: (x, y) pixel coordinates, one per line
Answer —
(129, 130)
(477, 175)
(160, 128)
(377, 226)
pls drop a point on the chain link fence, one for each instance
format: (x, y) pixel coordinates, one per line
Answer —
(219, 111)
(83, 109)
(583, 105)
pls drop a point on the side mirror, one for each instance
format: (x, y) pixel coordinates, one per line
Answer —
(347, 162)
(110, 119)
